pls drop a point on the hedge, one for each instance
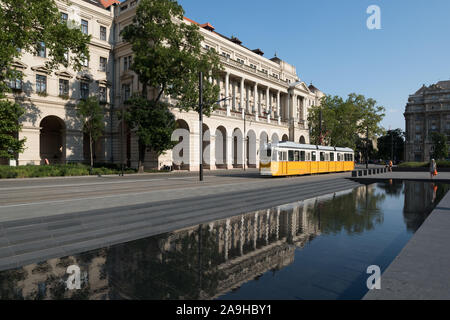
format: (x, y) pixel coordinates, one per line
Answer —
(30, 171)
(439, 163)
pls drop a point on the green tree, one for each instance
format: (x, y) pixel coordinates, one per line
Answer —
(345, 122)
(440, 148)
(167, 58)
(24, 24)
(394, 141)
(10, 145)
(91, 115)
(154, 124)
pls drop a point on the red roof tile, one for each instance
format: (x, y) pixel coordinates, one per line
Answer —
(108, 3)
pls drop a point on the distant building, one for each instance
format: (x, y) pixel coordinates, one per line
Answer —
(427, 111)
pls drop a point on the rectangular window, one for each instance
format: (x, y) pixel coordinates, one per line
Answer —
(313, 156)
(15, 84)
(102, 94)
(84, 27)
(126, 92)
(63, 87)
(126, 63)
(296, 155)
(103, 64)
(332, 156)
(291, 155)
(302, 155)
(41, 84)
(64, 17)
(41, 50)
(84, 90)
(322, 156)
(102, 33)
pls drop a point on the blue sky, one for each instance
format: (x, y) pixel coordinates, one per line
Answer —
(330, 45)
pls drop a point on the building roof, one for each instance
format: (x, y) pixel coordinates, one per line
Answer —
(444, 84)
(441, 85)
(108, 3)
(312, 88)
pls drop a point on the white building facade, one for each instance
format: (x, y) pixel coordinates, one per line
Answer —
(268, 103)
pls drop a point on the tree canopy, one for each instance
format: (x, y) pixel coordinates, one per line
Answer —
(91, 115)
(167, 58)
(392, 141)
(345, 122)
(440, 148)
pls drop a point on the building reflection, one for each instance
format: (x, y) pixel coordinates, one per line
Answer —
(420, 199)
(210, 260)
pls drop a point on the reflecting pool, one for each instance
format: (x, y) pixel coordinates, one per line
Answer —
(314, 249)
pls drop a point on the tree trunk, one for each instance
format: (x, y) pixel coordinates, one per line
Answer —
(90, 150)
(142, 148)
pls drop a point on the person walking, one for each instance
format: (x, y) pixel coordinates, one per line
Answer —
(433, 168)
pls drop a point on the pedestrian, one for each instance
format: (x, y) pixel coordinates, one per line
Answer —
(390, 165)
(433, 168)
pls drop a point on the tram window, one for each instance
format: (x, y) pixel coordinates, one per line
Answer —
(313, 156)
(291, 155)
(332, 156)
(302, 155)
(322, 156)
(282, 156)
(274, 156)
(296, 155)
(351, 157)
(339, 157)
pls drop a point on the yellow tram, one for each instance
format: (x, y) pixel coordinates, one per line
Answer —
(289, 159)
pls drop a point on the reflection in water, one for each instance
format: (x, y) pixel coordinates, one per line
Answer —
(220, 258)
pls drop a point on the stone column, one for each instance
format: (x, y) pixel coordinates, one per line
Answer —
(229, 163)
(255, 101)
(31, 154)
(212, 151)
(227, 93)
(233, 92)
(268, 108)
(243, 107)
(278, 115)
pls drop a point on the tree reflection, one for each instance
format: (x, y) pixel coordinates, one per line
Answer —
(353, 213)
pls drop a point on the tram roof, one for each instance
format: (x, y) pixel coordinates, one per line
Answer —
(293, 145)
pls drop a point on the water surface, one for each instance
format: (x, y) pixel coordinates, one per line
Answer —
(314, 249)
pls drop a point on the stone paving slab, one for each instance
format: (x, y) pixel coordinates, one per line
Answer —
(422, 269)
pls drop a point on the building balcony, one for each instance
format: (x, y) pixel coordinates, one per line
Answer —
(234, 63)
